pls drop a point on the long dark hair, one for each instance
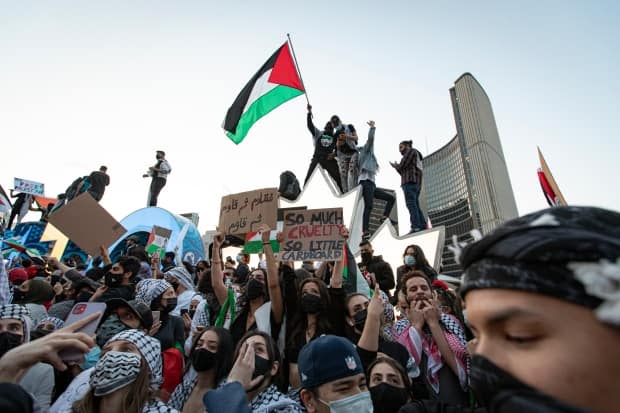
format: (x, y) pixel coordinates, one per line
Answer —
(225, 347)
(272, 352)
(301, 320)
(418, 254)
(396, 366)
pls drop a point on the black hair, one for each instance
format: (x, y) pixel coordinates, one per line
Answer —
(365, 242)
(129, 264)
(140, 253)
(205, 285)
(225, 347)
(413, 274)
(272, 351)
(408, 143)
(419, 256)
(170, 254)
(396, 366)
(301, 320)
(95, 273)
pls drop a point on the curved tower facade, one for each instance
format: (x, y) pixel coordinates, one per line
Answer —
(466, 183)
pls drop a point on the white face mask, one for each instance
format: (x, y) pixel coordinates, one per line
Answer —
(358, 403)
(113, 371)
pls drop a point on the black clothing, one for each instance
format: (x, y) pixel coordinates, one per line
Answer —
(383, 273)
(324, 145)
(126, 292)
(157, 185)
(172, 331)
(98, 181)
(14, 399)
(17, 206)
(241, 273)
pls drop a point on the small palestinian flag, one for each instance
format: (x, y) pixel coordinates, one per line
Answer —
(254, 242)
(274, 83)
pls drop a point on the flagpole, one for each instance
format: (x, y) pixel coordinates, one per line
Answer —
(290, 42)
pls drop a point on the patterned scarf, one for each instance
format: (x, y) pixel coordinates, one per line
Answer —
(182, 276)
(272, 400)
(149, 289)
(17, 312)
(150, 349)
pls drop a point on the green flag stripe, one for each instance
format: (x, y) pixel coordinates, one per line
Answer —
(262, 106)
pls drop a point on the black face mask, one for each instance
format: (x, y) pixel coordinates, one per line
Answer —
(359, 319)
(113, 280)
(311, 304)
(255, 289)
(191, 313)
(83, 296)
(366, 256)
(9, 341)
(19, 295)
(110, 327)
(261, 366)
(387, 398)
(171, 305)
(203, 359)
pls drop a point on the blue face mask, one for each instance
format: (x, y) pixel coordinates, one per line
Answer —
(409, 260)
(358, 403)
(91, 358)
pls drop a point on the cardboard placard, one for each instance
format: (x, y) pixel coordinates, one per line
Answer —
(244, 212)
(312, 235)
(158, 239)
(28, 187)
(87, 224)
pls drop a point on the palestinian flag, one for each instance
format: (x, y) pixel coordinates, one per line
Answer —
(276, 82)
(254, 242)
(352, 279)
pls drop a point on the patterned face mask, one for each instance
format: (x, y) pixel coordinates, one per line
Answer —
(114, 371)
(109, 328)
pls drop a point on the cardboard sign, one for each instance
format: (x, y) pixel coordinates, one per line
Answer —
(312, 234)
(29, 187)
(87, 224)
(244, 212)
(158, 239)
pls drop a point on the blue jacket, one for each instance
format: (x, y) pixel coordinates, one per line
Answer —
(367, 159)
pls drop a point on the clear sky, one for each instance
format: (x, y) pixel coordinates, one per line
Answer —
(86, 83)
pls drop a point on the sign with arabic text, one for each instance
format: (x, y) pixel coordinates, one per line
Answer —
(312, 235)
(244, 212)
(29, 187)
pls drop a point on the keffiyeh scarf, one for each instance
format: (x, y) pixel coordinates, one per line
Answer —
(149, 289)
(150, 349)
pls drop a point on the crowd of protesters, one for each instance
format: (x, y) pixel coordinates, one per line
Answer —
(532, 326)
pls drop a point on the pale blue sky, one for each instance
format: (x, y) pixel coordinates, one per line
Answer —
(85, 83)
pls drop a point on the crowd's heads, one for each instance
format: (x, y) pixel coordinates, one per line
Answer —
(121, 315)
(256, 286)
(123, 271)
(357, 306)
(160, 155)
(313, 296)
(17, 276)
(388, 384)
(103, 168)
(541, 294)
(404, 146)
(213, 350)
(414, 256)
(366, 250)
(179, 276)
(335, 121)
(169, 258)
(331, 374)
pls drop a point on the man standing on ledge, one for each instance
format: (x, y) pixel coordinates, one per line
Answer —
(410, 170)
(159, 174)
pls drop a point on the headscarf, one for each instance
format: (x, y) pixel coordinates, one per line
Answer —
(149, 289)
(570, 253)
(58, 323)
(182, 276)
(17, 312)
(150, 349)
(39, 292)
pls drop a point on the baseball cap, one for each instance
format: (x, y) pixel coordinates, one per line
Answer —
(18, 275)
(326, 359)
(139, 308)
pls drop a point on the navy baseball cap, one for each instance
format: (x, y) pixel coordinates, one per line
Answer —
(326, 359)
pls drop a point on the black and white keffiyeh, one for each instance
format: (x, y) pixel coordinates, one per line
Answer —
(271, 400)
(150, 349)
(570, 253)
(17, 312)
(182, 276)
(149, 289)
(58, 323)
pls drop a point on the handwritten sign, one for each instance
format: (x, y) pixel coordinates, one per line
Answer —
(312, 234)
(158, 239)
(244, 212)
(29, 187)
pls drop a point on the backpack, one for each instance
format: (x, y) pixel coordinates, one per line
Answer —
(289, 186)
(418, 160)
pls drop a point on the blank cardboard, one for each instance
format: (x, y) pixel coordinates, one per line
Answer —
(87, 224)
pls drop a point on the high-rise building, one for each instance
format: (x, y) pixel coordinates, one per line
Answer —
(466, 184)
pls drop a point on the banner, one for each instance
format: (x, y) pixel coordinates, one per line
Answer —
(312, 235)
(158, 239)
(29, 187)
(244, 212)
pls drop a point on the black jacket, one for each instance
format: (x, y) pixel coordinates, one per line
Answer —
(383, 273)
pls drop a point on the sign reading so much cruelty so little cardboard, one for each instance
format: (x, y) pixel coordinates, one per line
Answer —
(244, 212)
(312, 234)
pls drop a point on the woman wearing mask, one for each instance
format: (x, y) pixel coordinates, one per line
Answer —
(388, 385)
(414, 260)
(262, 307)
(33, 294)
(264, 396)
(126, 377)
(211, 360)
